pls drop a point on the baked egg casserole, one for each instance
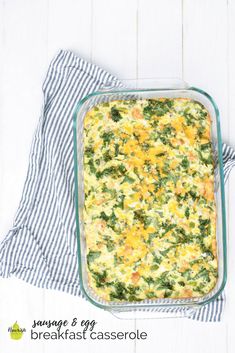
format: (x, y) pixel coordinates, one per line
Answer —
(149, 208)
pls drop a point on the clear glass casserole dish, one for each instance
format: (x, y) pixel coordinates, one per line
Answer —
(176, 89)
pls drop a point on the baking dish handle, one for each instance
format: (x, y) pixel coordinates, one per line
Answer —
(160, 83)
(148, 314)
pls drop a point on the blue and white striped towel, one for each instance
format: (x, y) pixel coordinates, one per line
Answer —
(41, 247)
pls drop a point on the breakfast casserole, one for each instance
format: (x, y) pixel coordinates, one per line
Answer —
(149, 209)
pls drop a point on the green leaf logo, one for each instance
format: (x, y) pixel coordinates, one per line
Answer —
(16, 332)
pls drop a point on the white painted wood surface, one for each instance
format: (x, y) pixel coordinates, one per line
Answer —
(193, 40)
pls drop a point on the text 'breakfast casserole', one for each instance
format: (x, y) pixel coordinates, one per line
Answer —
(149, 212)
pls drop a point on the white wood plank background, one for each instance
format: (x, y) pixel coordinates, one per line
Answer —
(193, 40)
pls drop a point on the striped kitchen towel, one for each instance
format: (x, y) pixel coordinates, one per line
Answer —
(41, 247)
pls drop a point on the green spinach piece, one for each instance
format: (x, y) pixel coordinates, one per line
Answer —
(181, 283)
(204, 226)
(89, 151)
(187, 212)
(167, 227)
(100, 278)
(207, 160)
(109, 243)
(115, 114)
(148, 280)
(116, 147)
(120, 202)
(112, 192)
(185, 163)
(110, 220)
(206, 146)
(120, 291)
(92, 166)
(107, 157)
(118, 260)
(157, 107)
(92, 255)
(151, 237)
(128, 179)
(104, 216)
(140, 216)
(163, 282)
(204, 274)
(115, 171)
(107, 137)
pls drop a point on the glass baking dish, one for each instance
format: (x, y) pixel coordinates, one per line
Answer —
(165, 89)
